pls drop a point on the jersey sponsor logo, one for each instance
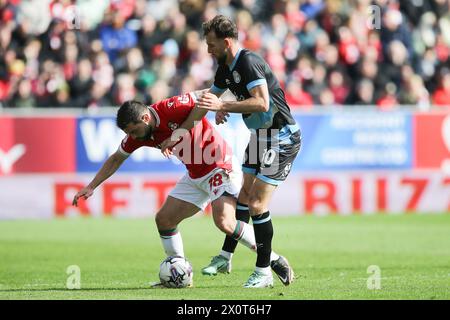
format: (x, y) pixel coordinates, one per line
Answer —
(236, 77)
(184, 98)
(170, 104)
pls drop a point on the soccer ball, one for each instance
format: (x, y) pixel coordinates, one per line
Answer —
(175, 272)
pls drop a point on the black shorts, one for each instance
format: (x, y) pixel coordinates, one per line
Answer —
(270, 160)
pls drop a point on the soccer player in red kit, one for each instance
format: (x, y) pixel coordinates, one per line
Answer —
(211, 176)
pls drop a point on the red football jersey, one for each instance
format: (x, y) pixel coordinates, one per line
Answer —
(201, 151)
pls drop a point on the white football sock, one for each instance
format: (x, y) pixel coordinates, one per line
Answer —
(173, 244)
(247, 236)
(226, 254)
(265, 270)
(274, 256)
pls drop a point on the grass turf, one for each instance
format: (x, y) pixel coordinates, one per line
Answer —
(118, 258)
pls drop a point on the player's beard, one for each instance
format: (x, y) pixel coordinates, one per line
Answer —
(222, 59)
(147, 135)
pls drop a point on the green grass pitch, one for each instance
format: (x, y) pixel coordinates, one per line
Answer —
(118, 258)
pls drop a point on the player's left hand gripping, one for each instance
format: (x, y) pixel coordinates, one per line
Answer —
(210, 101)
(85, 193)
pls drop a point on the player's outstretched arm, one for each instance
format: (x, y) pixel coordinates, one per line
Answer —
(109, 167)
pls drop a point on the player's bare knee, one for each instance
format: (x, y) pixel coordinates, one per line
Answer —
(243, 195)
(226, 228)
(163, 221)
(255, 206)
(225, 221)
(223, 225)
(158, 221)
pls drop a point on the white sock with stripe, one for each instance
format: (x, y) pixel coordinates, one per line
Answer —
(245, 235)
(172, 242)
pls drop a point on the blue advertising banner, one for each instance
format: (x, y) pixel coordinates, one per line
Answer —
(333, 141)
(357, 140)
(343, 141)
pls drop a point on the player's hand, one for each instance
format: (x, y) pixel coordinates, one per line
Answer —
(166, 147)
(221, 117)
(210, 101)
(86, 192)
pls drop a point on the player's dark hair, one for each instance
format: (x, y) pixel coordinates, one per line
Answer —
(129, 112)
(222, 26)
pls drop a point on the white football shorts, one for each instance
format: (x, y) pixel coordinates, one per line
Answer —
(200, 192)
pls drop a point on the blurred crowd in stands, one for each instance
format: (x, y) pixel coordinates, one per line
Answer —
(94, 53)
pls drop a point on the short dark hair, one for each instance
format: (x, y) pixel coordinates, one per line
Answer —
(222, 26)
(129, 112)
